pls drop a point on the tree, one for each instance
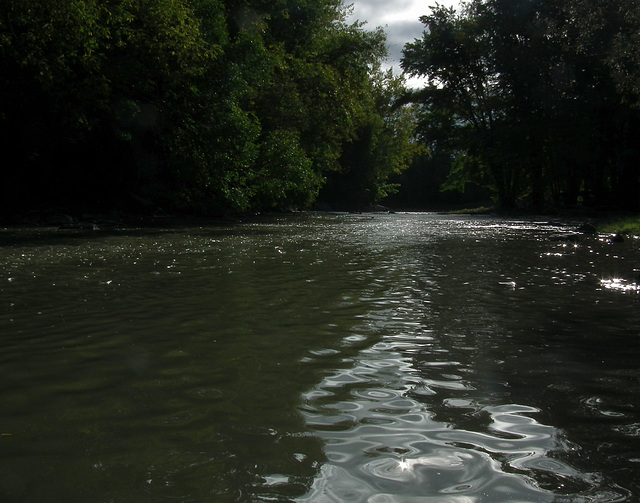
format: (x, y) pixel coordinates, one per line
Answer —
(384, 147)
(463, 108)
(524, 95)
(196, 105)
(94, 92)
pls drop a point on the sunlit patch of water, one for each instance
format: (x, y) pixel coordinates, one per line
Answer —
(619, 285)
(396, 437)
(388, 446)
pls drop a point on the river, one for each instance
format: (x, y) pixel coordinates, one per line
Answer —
(320, 358)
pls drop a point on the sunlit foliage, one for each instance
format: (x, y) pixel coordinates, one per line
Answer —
(196, 105)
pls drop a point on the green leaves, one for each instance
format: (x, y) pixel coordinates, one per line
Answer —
(528, 90)
(199, 105)
(285, 176)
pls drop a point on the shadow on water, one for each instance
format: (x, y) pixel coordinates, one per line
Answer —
(319, 358)
(165, 366)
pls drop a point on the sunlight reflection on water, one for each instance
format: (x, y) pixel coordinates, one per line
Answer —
(393, 446)
(620, 285)
(320, 358)
(387, 443)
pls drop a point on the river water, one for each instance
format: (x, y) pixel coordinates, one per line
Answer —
(320, 358)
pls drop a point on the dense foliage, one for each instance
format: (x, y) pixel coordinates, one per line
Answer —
(200, 105)
(537, 99)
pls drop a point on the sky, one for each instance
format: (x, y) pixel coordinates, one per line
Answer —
(400, 20)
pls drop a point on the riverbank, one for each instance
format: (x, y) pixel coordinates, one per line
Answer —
(604, 222)
(627, 225)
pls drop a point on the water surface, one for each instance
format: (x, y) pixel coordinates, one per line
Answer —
(320, 358)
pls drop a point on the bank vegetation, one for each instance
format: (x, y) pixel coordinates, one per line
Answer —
(207, 106)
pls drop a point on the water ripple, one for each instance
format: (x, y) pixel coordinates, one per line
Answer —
(428, 459)
(393, 444)
(329, 358)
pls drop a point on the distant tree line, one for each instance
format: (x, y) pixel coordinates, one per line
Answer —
(196, 105)
(536, 100)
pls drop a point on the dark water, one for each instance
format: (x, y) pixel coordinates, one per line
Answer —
(320, 358)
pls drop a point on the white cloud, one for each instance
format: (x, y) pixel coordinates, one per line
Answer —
(400, 19)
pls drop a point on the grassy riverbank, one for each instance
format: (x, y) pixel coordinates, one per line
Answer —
(628, 225)
(623, 224)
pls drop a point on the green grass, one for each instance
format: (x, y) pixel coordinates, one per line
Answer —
(630, 225)
(623, 225)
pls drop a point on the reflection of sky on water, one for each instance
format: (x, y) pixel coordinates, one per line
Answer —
(382, 441)
(467, 345)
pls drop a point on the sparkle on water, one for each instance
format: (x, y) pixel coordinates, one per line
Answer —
(320, 358)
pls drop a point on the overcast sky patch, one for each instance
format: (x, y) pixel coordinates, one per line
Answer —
(400, 20)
